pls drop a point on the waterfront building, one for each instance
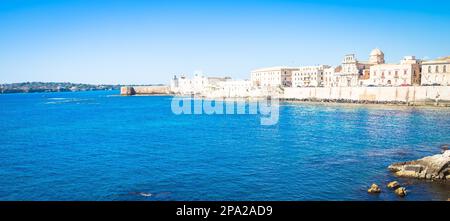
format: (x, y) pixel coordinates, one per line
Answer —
(353, 70)
(309, 76)
(272, 77)
(331, 76)
(199, 84)
(184, 85)
(214, 83)
(328, 76)
(403, 74)
(235, 88)
(436, 72)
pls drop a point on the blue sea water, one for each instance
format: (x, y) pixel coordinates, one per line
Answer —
(97, 146)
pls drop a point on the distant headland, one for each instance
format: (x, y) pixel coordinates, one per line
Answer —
(32, 87)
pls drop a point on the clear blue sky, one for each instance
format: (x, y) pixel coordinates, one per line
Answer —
(142, 42)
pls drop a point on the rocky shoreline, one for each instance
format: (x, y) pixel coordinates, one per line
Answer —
(436, 167)
(431, 168)
(430, 102)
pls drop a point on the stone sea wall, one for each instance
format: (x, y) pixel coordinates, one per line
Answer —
(412, 95)
(144, 90)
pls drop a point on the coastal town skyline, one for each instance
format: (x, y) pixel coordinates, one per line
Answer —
(351, 72)
(410, 81)
(138, 42)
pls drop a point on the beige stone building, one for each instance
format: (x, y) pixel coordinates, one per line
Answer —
(436, 72)
(272, 77)
(353, 70)
(404, 74)
(309, 76)
(330, 77)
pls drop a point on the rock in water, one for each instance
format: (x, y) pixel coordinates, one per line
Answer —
(401, 191)
(433, 167)
(374, 189)
(393, 185)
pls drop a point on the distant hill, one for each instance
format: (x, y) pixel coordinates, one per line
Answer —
(30, 87)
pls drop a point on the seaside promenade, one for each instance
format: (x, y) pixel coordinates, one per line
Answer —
(409, 95)
(406, 95)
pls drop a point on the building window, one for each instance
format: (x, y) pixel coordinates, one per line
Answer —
(444, 69)
(429, 69)
(437, 69)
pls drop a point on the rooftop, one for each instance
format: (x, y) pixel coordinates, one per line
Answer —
(275, 68)
(445, 59)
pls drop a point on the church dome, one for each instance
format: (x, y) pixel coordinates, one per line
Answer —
(376, 52)
(376, 56)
